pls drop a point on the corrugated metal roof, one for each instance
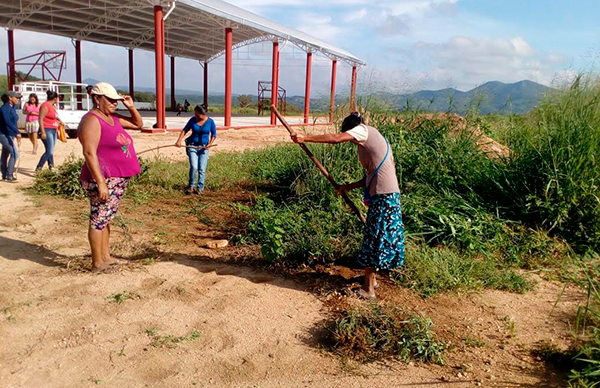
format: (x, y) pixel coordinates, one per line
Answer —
(195, 29)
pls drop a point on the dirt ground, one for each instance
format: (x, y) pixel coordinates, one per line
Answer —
(195, 317)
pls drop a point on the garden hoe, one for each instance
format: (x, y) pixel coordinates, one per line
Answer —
(320, 167)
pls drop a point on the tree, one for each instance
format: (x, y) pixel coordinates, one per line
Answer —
(244, 100)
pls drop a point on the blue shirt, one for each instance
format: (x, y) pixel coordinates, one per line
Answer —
(8, 120)
(201, 134)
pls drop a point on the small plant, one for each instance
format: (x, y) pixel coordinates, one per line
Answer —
(510, 325)
(168, 340)
(474, 342)
(377, 331)
(120, 297)
(272, 249)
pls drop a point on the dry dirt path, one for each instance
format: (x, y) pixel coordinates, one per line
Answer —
(58, 328)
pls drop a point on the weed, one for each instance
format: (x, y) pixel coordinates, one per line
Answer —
(510, 325)
(168, 340)
(375, 331)
(121, 297)
(474, 342)
(149, 260)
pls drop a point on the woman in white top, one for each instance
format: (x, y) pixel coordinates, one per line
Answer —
(383, 242)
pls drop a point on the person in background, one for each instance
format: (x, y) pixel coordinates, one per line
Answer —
(48, 121)
(203, 134)
(32, 122)
(179, 108)
(110, 162)
(186, 105)
(10, 137)
(383, 241)
(88, 90)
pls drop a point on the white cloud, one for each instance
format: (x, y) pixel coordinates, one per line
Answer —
(319, 26)
(356, 15)
(465, 62)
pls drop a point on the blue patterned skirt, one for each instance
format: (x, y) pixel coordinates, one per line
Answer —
(383, 243)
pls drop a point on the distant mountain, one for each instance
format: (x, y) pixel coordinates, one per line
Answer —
(491, 97)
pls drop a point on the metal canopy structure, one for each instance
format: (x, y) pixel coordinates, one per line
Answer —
(194, 28)
(197, 29)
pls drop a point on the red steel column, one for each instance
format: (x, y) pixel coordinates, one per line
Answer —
(206, 83)
(11, 60)
(307, 90)
(164, 77)
(353, 90)
(332, 98)
(159, 64)
(275, 81)
(78, 73)
(228, 70)
(173, 83)
(131, 89)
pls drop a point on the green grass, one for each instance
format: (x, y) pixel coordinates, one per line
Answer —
(376, 331)
(169, 341)
(121, 297)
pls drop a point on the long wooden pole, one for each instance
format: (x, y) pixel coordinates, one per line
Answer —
(320, 167)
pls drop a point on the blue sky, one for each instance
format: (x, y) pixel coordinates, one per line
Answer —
(408, 44)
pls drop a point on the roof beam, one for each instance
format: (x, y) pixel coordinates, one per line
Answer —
(26, 12)
(109, 16)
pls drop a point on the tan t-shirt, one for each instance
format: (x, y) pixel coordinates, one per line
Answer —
(372, 149)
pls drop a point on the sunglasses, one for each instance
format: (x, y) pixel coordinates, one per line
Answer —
(110, 100)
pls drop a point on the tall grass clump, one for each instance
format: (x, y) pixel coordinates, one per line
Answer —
(553, 177)
(585, 371)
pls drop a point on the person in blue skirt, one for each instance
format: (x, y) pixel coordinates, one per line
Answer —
(383, 242)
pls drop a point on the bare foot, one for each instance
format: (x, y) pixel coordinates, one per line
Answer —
(362, 294)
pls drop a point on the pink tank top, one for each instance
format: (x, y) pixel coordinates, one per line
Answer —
(51, 118)
(30, 108)
(116, 154)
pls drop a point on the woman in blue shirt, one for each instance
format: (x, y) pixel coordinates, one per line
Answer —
(204, 133)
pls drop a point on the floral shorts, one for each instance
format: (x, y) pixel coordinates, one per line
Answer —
(32, 127)
(102, 212)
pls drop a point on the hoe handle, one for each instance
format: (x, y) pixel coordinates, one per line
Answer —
(320, 166)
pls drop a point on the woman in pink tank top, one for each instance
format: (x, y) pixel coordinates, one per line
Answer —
(32, 126)
(110, 161)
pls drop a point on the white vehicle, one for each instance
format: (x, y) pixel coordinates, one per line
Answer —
(67, 104)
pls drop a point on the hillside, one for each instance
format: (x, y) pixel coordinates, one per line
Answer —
(491, 97)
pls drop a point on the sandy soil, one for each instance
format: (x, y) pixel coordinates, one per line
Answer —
(59, 326)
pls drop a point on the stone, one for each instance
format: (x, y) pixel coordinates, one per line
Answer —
(216, 244)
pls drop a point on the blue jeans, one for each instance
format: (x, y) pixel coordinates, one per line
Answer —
(10, 154)
(198, 163)
(49, 143)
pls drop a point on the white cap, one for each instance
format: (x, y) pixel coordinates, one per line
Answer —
(106, 89)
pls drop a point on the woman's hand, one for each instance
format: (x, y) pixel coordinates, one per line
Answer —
(178, 144)
(343, 189)
(128, 102)
(43, 135)
(103, 192)
(297, 138)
